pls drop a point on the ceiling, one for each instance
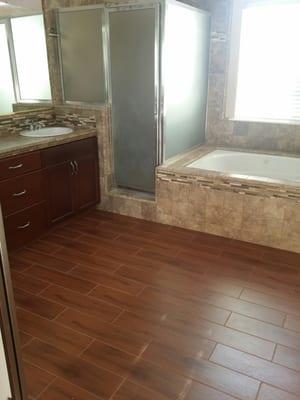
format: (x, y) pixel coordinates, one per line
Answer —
(20, 7)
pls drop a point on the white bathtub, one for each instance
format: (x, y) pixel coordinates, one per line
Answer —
(250, 165)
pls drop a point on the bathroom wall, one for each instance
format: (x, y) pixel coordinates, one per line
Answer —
(222, 132)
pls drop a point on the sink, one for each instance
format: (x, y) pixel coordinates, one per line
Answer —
(47, 132)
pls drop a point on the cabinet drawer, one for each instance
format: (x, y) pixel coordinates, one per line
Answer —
(69, 151)
(21, 192)
(22, 227)
(18, 165)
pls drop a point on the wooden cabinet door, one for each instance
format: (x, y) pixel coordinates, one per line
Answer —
(60, 181)
(86, 192)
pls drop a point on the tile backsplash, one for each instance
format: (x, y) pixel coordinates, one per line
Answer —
(16, 122)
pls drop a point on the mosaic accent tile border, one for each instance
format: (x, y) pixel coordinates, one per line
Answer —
(235, 185)
(71, 119)
(17, 122)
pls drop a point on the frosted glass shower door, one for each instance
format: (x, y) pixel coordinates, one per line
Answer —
(7, 96)
(81, 54)
(132, 48)
(185, 77)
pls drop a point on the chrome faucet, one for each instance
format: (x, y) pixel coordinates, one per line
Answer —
(36, 125)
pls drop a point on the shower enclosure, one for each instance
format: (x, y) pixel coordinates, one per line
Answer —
(158, 64)
(155, 57)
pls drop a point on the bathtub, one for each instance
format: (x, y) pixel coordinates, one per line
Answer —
(242, 164)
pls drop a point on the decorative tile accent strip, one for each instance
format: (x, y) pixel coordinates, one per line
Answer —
(76, 120)
(17, 122)
(236, 185)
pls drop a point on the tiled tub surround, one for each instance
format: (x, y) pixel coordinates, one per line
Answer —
(266, 212)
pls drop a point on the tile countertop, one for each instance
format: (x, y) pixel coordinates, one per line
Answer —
(13, 144)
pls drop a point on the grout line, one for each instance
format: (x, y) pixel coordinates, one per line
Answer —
(40, 294)
(60, 314)
(258, 391)
(274, 352)
(91, 291)
(44, 289)
(86, 348)
(46, 388)
(138, 294)
(284, 321)
(118, 388)
(118, 316)
(227, 319)
(29, 341)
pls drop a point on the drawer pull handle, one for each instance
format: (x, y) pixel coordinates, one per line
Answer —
(16, 166)
(73, 167)
(76, 167)
(20, 194)
(24, 226)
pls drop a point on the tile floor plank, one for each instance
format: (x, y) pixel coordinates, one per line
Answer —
(37, 305)
(50, 332)
(131, 391)
(257, 368)
(109, 280)
(64, 390)
(59, 278)
(28, 283)
(288, 357)
(37, 379)
(83, 303)
(270, 393)
(292, 323)
(73, 369)
(202, 392)
(51, 261)
(266, 331)
(122, 338)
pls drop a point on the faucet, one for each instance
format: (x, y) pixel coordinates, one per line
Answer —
(36, 125)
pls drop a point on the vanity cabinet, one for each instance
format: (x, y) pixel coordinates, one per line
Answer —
(71, 173)
(40, 188)
(23, 198)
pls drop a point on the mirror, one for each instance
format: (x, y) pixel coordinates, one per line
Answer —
(24, 74)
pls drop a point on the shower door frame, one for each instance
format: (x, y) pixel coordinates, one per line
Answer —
(157, 115)
(60, 55)
(164, 9)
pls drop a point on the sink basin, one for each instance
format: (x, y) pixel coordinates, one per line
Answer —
(47, 132)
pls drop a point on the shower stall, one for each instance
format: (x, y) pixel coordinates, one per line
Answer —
(154, 68)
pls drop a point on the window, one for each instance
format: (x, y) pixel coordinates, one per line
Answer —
(7, 95)
(31, 57)
(24, 74)
(264, 68)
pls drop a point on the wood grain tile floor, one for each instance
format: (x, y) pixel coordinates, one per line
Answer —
(114, 308)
